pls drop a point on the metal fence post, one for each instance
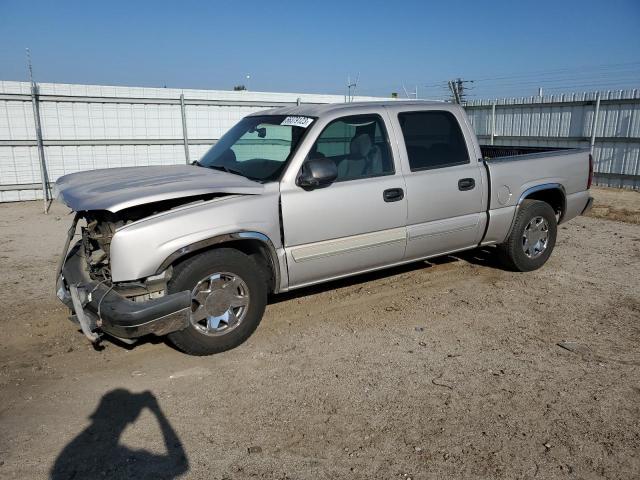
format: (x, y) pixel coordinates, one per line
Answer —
(185, 137)
(493, 122)
(43, 165)
(595, 122)
(594, 127)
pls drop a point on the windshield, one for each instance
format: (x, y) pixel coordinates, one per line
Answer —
(257, 147)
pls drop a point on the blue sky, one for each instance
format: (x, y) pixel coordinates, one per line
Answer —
(508, 47)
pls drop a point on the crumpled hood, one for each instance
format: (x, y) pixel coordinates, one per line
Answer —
(115, 189)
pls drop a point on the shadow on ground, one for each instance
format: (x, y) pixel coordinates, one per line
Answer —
(484, 256)
(97, 453)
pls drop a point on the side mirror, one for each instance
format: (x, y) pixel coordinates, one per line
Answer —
(317, 173)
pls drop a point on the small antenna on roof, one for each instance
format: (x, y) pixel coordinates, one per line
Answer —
(415, 94)
(405, 90)
(350, 86)
(355, 85)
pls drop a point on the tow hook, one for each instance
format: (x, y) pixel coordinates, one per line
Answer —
(85, 323)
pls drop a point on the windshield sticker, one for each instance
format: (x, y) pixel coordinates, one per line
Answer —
(303, 122)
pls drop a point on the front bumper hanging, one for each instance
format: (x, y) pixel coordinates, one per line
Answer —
(99, 307)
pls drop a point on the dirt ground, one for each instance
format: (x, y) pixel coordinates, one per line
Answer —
(446, 369)
(616, 204)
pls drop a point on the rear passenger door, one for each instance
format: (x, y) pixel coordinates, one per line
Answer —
(443, 180)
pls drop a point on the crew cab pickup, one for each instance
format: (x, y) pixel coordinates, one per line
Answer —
(295, 196)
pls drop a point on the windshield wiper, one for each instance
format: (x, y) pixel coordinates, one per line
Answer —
(222, 168)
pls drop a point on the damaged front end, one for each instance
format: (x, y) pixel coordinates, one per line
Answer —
(126, 310)
(107, 200)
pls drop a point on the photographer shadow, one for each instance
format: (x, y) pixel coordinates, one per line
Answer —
(97, 453)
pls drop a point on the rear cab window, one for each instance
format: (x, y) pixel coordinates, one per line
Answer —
(433, 140)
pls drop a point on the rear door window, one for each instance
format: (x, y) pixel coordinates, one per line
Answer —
(433, 140)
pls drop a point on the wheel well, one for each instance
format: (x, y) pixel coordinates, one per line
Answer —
(553, 196)
(260, 253)
(255, 249)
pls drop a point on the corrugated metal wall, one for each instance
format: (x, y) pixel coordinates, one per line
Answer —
(88, 126)
(567, 121)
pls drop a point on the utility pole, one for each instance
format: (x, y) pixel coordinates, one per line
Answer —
(454, 92)
(458, 88)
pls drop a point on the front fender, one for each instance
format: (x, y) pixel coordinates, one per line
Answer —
(140, 249)
(227, 238)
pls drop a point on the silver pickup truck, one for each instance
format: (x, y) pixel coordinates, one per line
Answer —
(299, 195)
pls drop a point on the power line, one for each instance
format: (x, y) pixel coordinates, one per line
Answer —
(570, 74)
(566, 84)
(577, 84)
(564, 81)
(559, 71)
(630, 80)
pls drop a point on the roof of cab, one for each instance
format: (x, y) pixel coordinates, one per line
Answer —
(317, 110)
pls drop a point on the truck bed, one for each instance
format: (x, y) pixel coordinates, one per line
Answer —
(499, 151)
(513, 171)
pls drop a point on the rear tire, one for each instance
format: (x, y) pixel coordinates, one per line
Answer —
(532, 237)
(229, 292)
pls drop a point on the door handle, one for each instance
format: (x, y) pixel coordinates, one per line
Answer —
(393, 194)
(466, 184)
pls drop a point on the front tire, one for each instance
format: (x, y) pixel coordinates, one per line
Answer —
(532, 237)
(229, 295)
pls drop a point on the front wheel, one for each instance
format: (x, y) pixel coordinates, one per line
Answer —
(229, 295)
(532, 238)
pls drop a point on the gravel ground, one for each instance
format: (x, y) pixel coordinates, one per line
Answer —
(442, 369)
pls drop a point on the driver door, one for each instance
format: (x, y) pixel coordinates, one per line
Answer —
(358, 222)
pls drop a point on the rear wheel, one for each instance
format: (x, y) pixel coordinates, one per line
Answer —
(229, 295)
(532, 238)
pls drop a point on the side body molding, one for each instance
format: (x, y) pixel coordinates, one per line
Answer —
(229, 238)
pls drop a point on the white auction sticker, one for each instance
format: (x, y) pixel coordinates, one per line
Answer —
(303, 122)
